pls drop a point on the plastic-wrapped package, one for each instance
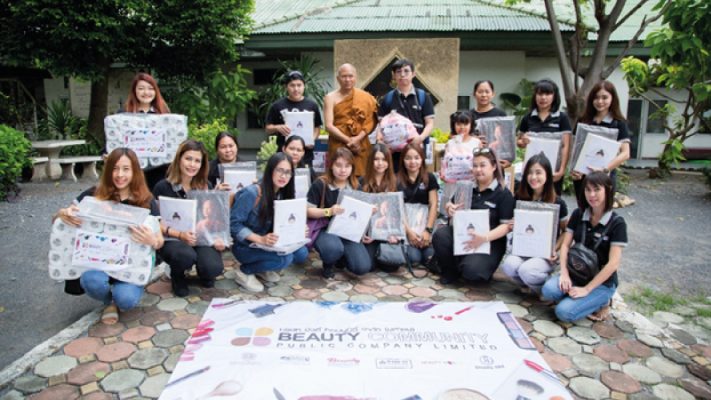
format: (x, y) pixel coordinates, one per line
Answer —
(213, 217)
(388, 218)
(302, 182)
(397, 131)
(153, 137)
(547, 207)
(103, 242)
(238, 175)
(581, 133)
(500, 135)
(416, 216)
(549, 144)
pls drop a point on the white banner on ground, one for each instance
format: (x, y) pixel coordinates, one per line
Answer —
(387, 350)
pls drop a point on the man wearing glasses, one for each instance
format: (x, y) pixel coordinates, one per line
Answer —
(294, 102)
(412, 103)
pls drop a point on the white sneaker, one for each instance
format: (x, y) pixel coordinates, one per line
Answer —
(249, 282)
(269, 276)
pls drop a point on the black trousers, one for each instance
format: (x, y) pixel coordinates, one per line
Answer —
(181, 257)
(472, 267)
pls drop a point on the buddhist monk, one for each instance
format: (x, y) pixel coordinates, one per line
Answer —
(350, 115)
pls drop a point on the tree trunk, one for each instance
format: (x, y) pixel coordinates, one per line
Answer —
(98, 108)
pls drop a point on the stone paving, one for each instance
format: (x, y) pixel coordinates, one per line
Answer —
(626, 357)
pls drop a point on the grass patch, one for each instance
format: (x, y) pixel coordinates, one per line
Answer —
(703, 312)
(652, 301)
(648, 301)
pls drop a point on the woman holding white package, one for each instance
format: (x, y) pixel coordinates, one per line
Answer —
(187, 172)
(122, 181)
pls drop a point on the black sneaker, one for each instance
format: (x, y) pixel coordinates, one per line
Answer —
(342, 263)
(446, 280)
(432, 265)
(207, 283)
(179, 284)
(328, 272)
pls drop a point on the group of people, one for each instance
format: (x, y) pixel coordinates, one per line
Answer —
(354, 163)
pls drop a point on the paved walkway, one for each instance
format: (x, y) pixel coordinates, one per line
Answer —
(627, 357)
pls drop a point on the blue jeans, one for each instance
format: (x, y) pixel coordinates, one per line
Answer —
(332, 248)
(418, 255)
(570, 309)
(96, 285)
(254, 260)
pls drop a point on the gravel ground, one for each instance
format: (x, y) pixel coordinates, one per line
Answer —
(669, 247)
(668, 251)
(35, 308)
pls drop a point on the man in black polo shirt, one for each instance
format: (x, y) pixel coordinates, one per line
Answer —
(410, 102)
(293, 102)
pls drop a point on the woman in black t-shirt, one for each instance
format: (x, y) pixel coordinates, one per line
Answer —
(596, 218)
(544, 116)
(602, 108)
(418, 187)
(121, 181)
(322, 198)
(488, 194)
(295, 147)
(187, 172)
(484, 108)
(536, 185)
(227, 150)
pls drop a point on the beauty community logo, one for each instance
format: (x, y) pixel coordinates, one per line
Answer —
(259, 337)
(363, 338)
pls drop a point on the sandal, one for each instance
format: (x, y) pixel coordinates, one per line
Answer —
(110, 315)
(602, 314)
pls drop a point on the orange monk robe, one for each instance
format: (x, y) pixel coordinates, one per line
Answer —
(355, 114)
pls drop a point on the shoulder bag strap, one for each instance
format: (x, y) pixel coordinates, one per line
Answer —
(604, 232)
(323, 193)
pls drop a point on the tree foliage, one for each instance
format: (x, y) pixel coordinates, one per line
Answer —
(187, 38)
(315, 87)
(578, 76)
(680, 62)
(221, 97)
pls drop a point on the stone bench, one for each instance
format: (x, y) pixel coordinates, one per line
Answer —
(87, 162)
(39, 168)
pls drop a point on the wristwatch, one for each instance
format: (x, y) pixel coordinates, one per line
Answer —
(326, 212)
(429, 230)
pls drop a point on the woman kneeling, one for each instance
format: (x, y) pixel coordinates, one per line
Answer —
(597, 227)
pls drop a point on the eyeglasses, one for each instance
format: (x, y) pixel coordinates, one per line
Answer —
(283, 172)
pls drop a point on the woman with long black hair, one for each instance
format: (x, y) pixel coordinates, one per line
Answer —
(252, 221)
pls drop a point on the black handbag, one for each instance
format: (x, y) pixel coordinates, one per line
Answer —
(583, 263)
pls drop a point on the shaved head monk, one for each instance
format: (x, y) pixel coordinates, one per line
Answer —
(350, 115)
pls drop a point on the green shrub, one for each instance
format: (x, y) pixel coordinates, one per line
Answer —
(266, 151)
(206, 133)
(14, 150)
(90, 148)
(439, 136)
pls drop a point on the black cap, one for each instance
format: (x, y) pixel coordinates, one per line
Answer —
(294, 76)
